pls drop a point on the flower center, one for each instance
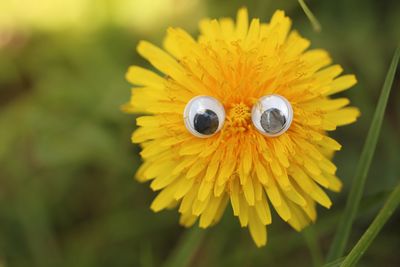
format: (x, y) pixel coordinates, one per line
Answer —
(239, 116)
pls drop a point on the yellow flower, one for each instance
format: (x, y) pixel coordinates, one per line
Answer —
(239, 117)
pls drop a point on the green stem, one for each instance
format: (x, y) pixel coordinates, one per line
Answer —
(383, 216)
(311, 237)
(362, 245)
(314, 21)
(342, 235)
(186, 248)
(335, 263)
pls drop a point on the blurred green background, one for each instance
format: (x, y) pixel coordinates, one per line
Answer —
(67, 197)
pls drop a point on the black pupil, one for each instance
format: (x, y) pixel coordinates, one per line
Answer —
(206, 122)
(273, 120)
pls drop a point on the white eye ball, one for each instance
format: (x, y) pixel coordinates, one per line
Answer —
(272, 115)
(204, 116)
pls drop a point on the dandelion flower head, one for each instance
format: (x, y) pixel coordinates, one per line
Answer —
(239, 118)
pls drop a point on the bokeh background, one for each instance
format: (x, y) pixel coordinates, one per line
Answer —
(67, 194)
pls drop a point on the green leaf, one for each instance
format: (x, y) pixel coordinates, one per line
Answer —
(314, 21)
(186, 248)
(365, 241)
(353, 201)
(384, 214)
(335, 263)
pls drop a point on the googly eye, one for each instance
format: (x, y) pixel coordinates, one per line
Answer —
(204, 116)
(272, 115)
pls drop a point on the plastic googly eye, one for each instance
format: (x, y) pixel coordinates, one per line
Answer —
(272, 115)
(204, 116)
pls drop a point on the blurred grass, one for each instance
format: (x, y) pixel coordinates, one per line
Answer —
(67, 197)
(313, 20)
(373, 230)
(186, 248)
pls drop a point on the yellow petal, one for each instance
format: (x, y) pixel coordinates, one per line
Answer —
(227, 168)
(295, 196)
(221, 209)
(263, 210)
(309, 186)
(295, 44)
(257, 229)
(242, 23)
(183, 164)
(234, 194)
(316, 59)
(161, 60)
(342, 83)
(196, 169)
(273, 194)
(187, 201)
(282, 25)
(205, 189)
(243, 211)
(279, 202)
(283, 210)
(247, 158)
(298, 220)
(213, 166)
(178, 42)
(258, 189)
(311, 166)
(163, 199)
(183, 186)
(199, 206)
(253, 34)
(227, 28)
(276, 168)
(261, 172)
(326, 104)
(327, 166)
(143, 134)
(343, 116)
(248, 190)
(280, 153)
(193, 147)
(334, 183)
(208, 216)
(152, 149)
(187, 219)
(162, 181)
(159, 168)
(329, 143)
(140, 76)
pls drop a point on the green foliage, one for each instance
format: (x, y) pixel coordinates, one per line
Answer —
(185, 250)
(354, 198)
(67, 197)
(373, 230)
(314, 21)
